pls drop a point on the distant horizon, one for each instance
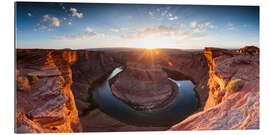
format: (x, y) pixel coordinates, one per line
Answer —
(56, 25)
(137, 48)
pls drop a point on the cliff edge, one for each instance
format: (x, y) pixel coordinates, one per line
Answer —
(44, 101)
(233, 100)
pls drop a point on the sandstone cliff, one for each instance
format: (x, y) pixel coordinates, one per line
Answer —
(44, 101)
(89, 70)
(225, 108)
(77, 73)
(54, 87)
(144, 87)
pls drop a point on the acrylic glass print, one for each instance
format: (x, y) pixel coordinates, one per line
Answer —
(93, 67)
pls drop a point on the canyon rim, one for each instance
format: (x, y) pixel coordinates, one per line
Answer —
(96, 67)
(60, 99)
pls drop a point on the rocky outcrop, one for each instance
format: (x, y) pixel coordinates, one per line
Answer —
(89, 70)
(186, 65)
(229, 109)
(44, 101)
(78, 72)
(98, 121)
(178, 64)
(53, 86)
(144, 87)
(93, 66)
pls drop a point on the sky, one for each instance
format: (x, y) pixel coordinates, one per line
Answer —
(96, 25)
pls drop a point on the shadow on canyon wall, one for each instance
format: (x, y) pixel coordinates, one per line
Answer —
(54, 87)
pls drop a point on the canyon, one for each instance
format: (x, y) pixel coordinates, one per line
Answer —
(144, 87)
(54, 88)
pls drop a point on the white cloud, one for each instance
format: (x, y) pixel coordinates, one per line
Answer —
(67, 20)
(165, 12)
(209, 25)
(150, 13)
(231, 26)
(48, 22)
(183, 25)
(115, 29)
(200, 27)
(193, 24)
(88, 33)
(163, 31)
(76, 13)
(29, 14)
(57, 38)
(88, 29)
(118, 29)
(53, 20)
(173, 18)
(80, 36)
(162, 13)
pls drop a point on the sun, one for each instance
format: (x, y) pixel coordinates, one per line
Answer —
(151, 42)
(150, 47)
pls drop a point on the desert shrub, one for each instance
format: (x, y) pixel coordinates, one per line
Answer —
(235, 85)
(32, 79)
(22, 83)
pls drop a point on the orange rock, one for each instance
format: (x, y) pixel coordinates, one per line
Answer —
(98, 121)
(49, 106)
(153, 90)
(225, 109)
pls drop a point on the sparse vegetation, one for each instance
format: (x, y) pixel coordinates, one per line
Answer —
(23, 83)
(235, 85)
(32, 79)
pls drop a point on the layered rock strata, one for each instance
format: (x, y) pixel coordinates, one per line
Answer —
(98, 121)
(225, 108)
(46, 81)
(44, 101)
(186, 65)
(89, 70)
(144, 87)
(85, 69)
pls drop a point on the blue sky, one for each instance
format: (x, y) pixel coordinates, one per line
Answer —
(88, 25)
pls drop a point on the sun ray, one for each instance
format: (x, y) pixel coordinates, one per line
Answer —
(151, 42)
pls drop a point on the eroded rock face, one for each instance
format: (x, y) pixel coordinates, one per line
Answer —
(84, 69)
(229, 109)
(98, 121)
(46, 103)
(90, 69)
(186, 65)
(144, 87)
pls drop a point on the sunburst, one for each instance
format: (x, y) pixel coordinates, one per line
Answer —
(151, 42)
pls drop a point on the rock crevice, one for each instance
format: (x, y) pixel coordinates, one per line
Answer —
(46, 104)
(54, 87)
(229, 109)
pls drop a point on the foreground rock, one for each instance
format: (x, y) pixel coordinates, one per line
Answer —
(45, 78)
(144, 87)
(98, 121)
(44, 101)
(229, 109)
(40, 71)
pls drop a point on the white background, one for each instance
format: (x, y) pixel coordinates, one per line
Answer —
(7, 120)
